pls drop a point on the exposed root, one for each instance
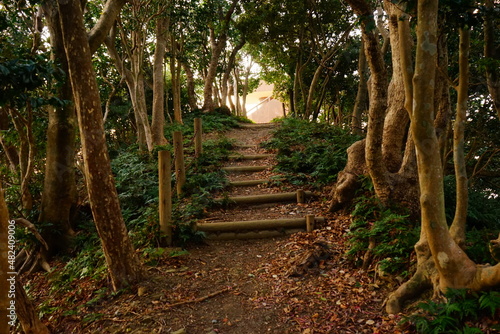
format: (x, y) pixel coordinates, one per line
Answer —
(417, 285)
(28, 261)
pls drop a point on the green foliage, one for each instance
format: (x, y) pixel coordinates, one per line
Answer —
(136, 177)
(203, 178)
(483, 219)
(391, 234)
(308, 152)
(89, 263)
(483, 210)
(457, 314)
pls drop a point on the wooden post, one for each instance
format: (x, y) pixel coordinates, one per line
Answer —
(310, 223)
(198, 149)
(165, 189)
(301, 196)
(180, 170)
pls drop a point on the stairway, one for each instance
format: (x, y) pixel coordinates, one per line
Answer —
(252, 207)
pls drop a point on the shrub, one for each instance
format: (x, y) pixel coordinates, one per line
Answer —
(383, 235)
(310, 152)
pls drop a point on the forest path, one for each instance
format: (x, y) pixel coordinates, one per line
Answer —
(300, 283)
(273, 205)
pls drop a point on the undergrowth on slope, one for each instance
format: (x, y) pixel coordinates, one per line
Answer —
(136, 178)
(381, 236)
(308, 152)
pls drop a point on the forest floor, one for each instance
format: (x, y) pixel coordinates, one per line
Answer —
(300, 283)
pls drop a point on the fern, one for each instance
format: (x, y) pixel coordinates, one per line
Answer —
(490, 301)
(452, 317)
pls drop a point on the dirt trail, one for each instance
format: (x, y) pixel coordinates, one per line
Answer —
(291, 284)
(215, 287)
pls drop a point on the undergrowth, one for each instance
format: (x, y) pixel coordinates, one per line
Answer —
(483, 219)
(136, 179)
(461, 313)
(310, 153)
(381, 236)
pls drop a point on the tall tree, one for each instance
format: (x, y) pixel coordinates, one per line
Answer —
(123, 265)
(441, 260)
(387, 153)
(158, 120)
(218, 39)
(492, 54)
(59, 191)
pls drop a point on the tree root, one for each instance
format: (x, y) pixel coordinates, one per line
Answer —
(417, 285)
(30, 260)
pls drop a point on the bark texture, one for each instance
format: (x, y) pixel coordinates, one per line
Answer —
(134, 78)
(361, 103)
(24, 308)
(492, 52)
(4, 265)
(441, 261)
(457, 228)
(158, 121)
(123, 265)
(59, 190)
(27, 313)
(217, 44)
(389, 155)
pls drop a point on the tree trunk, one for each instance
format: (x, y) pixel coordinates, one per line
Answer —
(137, 86)
(442, 122)
(23, 126)
(13, 294)
(217, 44)
(158, 120)
(5, 285)
(135, 82)
(361, 103)
(378, 103)
(453, 268)
(27, 313)
(492, 53)
(228, 70)
(457, 229)
(319, 70)
(175, 74)
(217, 47)
(59, 190)
(397, 117)
(193, 105)
(123, 265)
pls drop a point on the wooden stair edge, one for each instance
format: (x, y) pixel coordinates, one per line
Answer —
(265, 224)
(242, 145)
(251, 234)
(244, 183)
(250, 156)
(266, 198)
(243, 169)
(257, 125)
